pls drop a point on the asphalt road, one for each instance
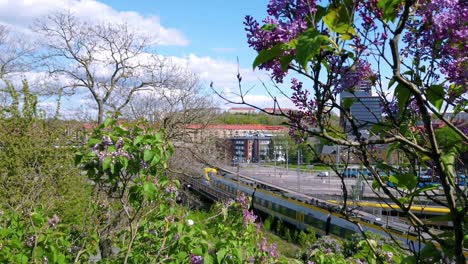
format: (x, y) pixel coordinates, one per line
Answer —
(306, 182)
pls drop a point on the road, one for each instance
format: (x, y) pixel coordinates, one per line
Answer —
(306, 182)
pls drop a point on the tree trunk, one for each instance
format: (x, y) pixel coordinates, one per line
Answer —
(100, 111)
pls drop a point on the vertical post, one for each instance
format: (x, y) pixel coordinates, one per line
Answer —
(298, 164)
(287, 157)
(274, 156)
(238, 168)
(337, 156)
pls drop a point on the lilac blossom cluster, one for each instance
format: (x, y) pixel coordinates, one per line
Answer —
(271, 250)
(328, 245)
(101, 150)
(306, 106)
(194, 259)
(249, 216)
(441, 32)
(286, 20)
(360, 74)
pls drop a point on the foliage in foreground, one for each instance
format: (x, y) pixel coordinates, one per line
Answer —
(396, 72)
(127, 210)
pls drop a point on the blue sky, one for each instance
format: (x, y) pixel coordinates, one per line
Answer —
(208, 35)
(213, 27)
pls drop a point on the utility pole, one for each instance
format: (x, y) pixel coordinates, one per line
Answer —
(287, 157)
(298, 172)
(337, 156)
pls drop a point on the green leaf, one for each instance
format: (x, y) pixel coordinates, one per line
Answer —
(198, 251)
(338, 19)
(321, 11)
(109, 121)
(389, 9)
(208, 259)
(308, 46)
(269, 27)
(149, 190)
(106, 163)
(123, 161)
(348, 102)
(424, 189)
(94, 141)
(138, 139)
(449, 162)
(404, 180)
(345, 29)
(435, 95)
(21, 258)
(78, 158)
(403, 200)
(220, 255)
(156, 159)
(409, 260)
(403, 95)
(37, 219)
(375, 185)
(148, 155)
(267, 55)
(285, 61)
(391, 82)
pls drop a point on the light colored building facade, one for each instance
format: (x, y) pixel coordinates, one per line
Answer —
(199, 133)
(242, 110)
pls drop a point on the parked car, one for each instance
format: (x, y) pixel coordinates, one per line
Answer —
(323, 174)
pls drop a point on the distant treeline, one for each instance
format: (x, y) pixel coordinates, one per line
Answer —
(262, 119)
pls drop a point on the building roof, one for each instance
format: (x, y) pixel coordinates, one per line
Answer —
(242, 108)
(277, 110)
(238, 127)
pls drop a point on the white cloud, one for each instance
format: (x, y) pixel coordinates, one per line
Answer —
(20, 15)
(222, 73)
(266, 101)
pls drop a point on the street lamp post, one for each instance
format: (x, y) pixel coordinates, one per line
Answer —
(298, 164)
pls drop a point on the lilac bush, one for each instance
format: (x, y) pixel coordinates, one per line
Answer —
(411, 56)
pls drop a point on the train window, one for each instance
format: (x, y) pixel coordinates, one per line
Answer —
(310, 220)
(257, 200)
(320, 224)
(291, 213)
(336, 230)
(347, 233)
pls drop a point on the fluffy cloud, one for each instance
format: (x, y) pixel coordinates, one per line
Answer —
(20, 14)
(222, 73)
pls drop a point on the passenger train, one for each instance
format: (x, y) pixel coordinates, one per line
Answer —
(306, 212)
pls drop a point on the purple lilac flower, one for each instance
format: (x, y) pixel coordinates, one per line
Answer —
(196, 259)
(273, 251)
(53, 221)
(106, 141)
(389, 256)
(288, 19)
(249, 217)
(441, 33)
(243, 200)
(96, 149)
(263, 247)
(144, 165)
(30, 241)
(171, 189)
(119, 144)
(360, 74)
